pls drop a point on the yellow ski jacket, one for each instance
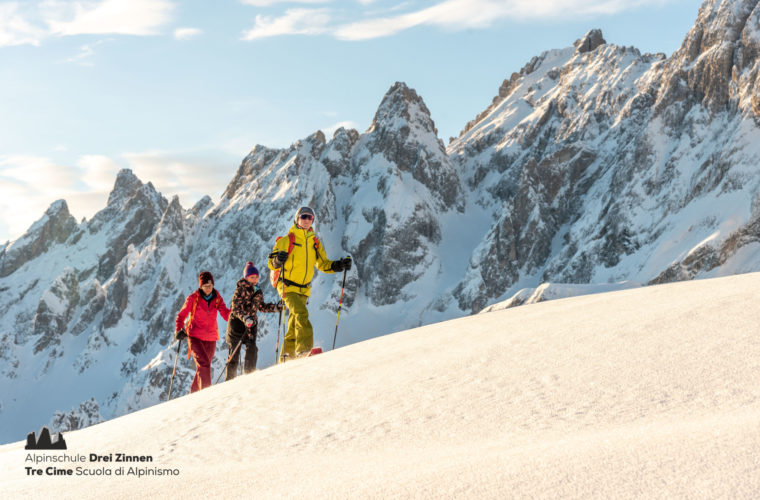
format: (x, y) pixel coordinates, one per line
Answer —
(298, 270)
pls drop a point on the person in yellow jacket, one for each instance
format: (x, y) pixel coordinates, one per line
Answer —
(295, 256)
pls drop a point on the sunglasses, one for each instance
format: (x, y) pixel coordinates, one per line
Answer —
(307, 217)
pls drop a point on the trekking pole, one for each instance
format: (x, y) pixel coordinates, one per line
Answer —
(176, 357)
(340, 304)
(229, 358)
(279, 323)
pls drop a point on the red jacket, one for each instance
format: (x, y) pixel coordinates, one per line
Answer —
(203, 323)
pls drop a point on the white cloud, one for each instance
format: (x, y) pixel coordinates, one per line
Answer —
(294, 22)
(82, 58)
(86, 53)
(448, 14)
(330, 131)
(98, 172)
(190, 175)
(24, 168)
(186, 33)
(29, 23)
(124, 17)
(30, 184)
(456, 14)
(466, 14)
(15, 28)
(268, 3)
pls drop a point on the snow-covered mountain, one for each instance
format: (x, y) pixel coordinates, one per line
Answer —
(594, 164)
(604, 164)
(583, 398)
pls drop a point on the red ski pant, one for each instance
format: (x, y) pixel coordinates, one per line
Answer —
(203, 353)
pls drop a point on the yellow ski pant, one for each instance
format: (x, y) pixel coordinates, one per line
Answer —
(300, 335)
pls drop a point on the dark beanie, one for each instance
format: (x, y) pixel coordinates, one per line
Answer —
(205, 277)
(250, 269)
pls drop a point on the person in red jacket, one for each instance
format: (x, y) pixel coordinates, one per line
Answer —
(202, 331)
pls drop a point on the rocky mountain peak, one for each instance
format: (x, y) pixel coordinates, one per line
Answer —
(173, 213)
(401, 106)
(718, 21)
(125, 186)
(170, 229)
(202, 206)
(590, 41)
(717, 61)
(58, 208)
(404, 134)
(55, 226)
(131, 194)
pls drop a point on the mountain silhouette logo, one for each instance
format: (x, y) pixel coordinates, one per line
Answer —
(44, 442)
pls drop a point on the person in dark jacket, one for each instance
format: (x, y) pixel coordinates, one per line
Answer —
(201, 331)
(243, 324)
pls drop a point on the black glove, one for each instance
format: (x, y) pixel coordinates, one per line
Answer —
(279, 307)
(336, 266)
(180, 334)
(279, 258)
(347, 263)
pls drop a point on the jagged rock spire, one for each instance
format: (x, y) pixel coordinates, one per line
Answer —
(590, 41)
(400, 104)
(55, 226)
(125, 186)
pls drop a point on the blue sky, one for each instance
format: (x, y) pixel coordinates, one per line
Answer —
(180, 91)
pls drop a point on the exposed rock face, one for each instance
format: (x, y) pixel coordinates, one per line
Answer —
(55, 309)
(590, 41)
(202, 206)
(54, 227)
(131, 216)
(93, 302)
(88, 413)
(404, 133)
(717, 64)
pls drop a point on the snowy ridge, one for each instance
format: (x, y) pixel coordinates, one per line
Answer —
(648, 392)
(553, 291)
(594, 165)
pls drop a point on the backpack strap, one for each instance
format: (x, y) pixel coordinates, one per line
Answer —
(190, 320)
(291, 242)
(192, 313)
(274, 276)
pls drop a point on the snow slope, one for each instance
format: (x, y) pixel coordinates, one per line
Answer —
(647, 392)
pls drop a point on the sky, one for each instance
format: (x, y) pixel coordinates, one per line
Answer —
(181, 91)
